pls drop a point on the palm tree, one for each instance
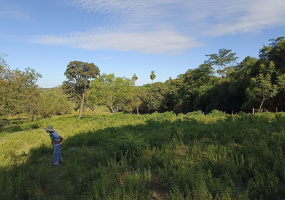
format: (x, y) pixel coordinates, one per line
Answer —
(152, 76)
(135, 77)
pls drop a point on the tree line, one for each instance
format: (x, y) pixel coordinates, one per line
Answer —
(220, 83)
(21, 96)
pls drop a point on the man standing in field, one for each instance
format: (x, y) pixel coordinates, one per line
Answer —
(56, 140)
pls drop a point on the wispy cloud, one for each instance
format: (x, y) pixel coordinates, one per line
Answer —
(148, 42)
(246, 17)
(168, 26)
(13, 11)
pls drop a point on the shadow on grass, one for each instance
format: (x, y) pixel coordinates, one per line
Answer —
(14, 125)
(158, 160)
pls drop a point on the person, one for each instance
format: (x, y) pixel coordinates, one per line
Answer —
(56, 141)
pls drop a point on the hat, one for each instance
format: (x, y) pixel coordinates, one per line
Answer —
(49, 128)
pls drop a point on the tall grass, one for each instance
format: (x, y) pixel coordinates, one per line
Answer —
(157, 156)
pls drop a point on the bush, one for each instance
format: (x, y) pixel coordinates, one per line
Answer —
(3, 123)
(217, 113)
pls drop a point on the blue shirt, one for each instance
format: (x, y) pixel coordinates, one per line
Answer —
(54, 136)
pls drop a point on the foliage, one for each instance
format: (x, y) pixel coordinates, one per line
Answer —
(114, 92)
(173, 100)
(135, 78)
(54, 102)
(152, 75)
(261, 87)
(19, 92)
(139, 97)
(79, 75)
(224, 61)
(155, 94)
(252, 83)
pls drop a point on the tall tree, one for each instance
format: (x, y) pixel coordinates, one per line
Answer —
(152, 75)
(135, 78)
(224, 61)
(136, 101)
(79, 75)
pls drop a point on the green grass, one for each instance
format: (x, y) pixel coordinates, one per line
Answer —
(157, 156)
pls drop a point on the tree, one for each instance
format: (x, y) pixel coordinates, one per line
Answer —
(156, 94)
(173, 99)
(6, 87)
(55, 104)
(18, 91)
(223, 61)
(138, 98)
(136, 101)
(152, 76)
(114, 92)
(79, 75)
(261, 87)
(195, 78)
(96, 95)
(2, 60)
(30, 99)
(196, 83)
(275, 52)
(135, 78)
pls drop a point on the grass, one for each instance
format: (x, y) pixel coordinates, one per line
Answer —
(157, 156)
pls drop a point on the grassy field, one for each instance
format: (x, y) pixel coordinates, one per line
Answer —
(157, 156)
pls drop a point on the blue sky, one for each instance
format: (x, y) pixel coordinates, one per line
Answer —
(132, 36)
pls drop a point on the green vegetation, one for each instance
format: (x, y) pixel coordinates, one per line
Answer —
(79, 75)
(220, 83)
(153, 156)
(158, 155)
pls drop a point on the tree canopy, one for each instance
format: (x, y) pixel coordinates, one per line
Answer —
(79, 75)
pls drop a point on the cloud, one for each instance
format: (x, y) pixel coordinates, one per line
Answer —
(13, 11)
(210, 17)
(148, 42)
(241, 16)
(118, 6)
(167, 26)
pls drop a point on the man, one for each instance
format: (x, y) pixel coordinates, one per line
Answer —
(56, 140)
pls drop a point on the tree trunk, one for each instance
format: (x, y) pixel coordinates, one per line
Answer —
(260, 107)
(34, 117)
(81, 106)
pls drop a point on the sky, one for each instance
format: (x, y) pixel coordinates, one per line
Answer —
(128, 37)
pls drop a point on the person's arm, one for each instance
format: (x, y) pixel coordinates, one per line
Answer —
(59, 140)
